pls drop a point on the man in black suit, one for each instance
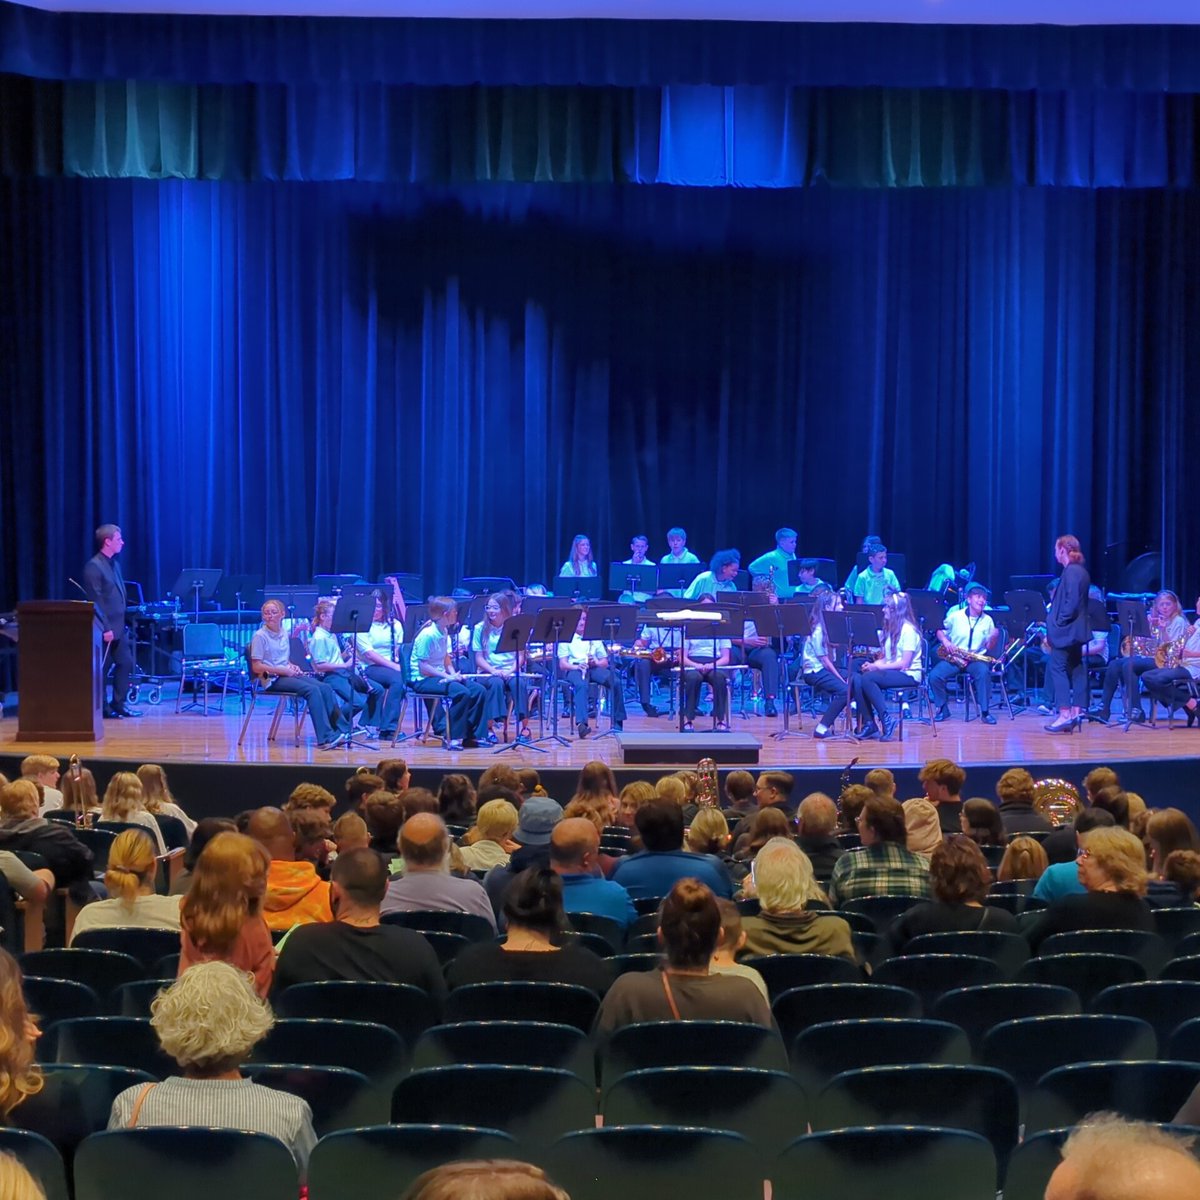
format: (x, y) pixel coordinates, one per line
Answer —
(106, 589)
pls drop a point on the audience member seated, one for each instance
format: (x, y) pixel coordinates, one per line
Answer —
(762, 827)
(209, 1020)
(533, 948)
(783, 881)
(43, 769)
(492, 844)
(960, 878)
(23, 831)
(1015, 791)
(1023, 858)
(942, 781)
(535, 823)
(296, 894)
(1062, 878)
(427, 884)
(1182, 870)
(531, 782)
(457, 801)
(981, 822)
(1166, 832)
(818, 825)
(383, 812)
(355, 946)
(80, 796)
(486, 1179)
(16, 1183)
(597, 812)
(156, 795)
(653, 870)
(633, 796)
(708, 836)
(123, 803)
(597, 782)
(739, 794)
(359, 786)
(1110, 1158)
(20, 1076)
(1112, 869)
(851, 801)
(574, 856)
(772, 790)
(732, 943)
(884, 866)
(350, 833)
(130, 878)
(689, 928)
(221, 916)
(395, 774)
(924, 830)
(312, 835)
(881, 781)
(206, 829)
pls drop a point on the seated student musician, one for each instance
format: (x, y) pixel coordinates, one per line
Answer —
(722, 571)
(1176, 686)
(752, 649)
(653, 638)
(579, 561)
(582, 662)
(1167, 624)
(808, 581)
(432, 673)
(500, 668)
(877, 581)
(965, 632)
(900, 666)
(679, 555)
(638, 547)
(703, 658)
(332, 664)
(816, 665)
(270, 659)
(772, 567)
(379, 653)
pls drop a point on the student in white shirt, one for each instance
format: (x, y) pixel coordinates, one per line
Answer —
(969, 629)
(651, 638)
(817, 667)
(432, 673)
(380, 666)
(638, 546)
(581, 662)
(579, 561)
(332, 665)
(501, 668)
(702, 661)
(900, 666)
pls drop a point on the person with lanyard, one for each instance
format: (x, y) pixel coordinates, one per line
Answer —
(379, 657)
(971, 630)
(500, 668)
(649, 639)
(703, 658)
(270, 659)
(583, 662)
(638, 547)
(105, 587)
(432, 673)
(900, 666)
(580, 561)
(816, 666)
(332, 665)
(773, 565)
(722, 571)
(876, 582)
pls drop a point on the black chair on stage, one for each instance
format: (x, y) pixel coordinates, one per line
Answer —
(204, 660)
(257, 688)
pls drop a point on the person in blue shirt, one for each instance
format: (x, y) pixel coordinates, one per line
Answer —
(574, 857)
(655, 870)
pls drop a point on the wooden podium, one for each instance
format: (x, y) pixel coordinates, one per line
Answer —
(60, 652)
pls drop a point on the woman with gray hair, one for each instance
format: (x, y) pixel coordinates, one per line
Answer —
(782, 879)
(208, 1021)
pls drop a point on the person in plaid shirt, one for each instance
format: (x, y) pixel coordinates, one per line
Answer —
(884, 866)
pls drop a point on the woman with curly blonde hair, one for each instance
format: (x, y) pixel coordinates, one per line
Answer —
(156, 795)
(209, 1021)
(132, 903)
(124, 802)
(20, 1076)
(222, 916)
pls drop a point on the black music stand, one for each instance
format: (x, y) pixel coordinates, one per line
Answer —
(792, 622)
(714, 621)
(930, 610)
(609, 624)
(578, 587)
(484, 585)
(549, 626)
(1031, 583)
(1028, 609)
(293, 596)
(335, 585)
(514, 636)
(856, 626)
(354, 609)
(412, 587)
(633, 578)
(200, 581)
(675, 577)
(532, 605)
(1132, 622)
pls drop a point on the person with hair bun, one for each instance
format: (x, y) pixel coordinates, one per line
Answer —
(133, 902)
(1068, 630)
(689, 928)
(209, 1021)
(534, 947)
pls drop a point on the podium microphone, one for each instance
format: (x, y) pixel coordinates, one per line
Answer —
(79, 586)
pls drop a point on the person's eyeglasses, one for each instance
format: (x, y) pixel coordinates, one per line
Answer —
(1083, 853)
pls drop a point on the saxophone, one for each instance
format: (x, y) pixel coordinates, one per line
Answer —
(960, 657)
(765, 584)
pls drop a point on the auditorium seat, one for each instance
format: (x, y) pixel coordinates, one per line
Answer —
(472, 926)
(339, 1098)
(373, 1050)
(932, 975)
(977, 1009)
(134, 999)
(799, 1008)
(39, 1158)
(1186, 968)
(1165, 1003)
(618, 964)
(782, 972)
(102, 970)
(58, 999)
(1085, 974)
(110, 1041)
(558, 1003)
(1184, 1043)
(1146, 948)
(507, 1043)
(883, 910)
(1175, 925)
(400, 1006)
(1007, 950)
(690, 1044)
(147, 946)
(1144, 1091)
(612, 931)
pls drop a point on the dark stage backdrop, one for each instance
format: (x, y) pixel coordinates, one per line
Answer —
(290, 378)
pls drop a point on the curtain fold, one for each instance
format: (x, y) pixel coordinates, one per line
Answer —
(691, 136)
(286, 378)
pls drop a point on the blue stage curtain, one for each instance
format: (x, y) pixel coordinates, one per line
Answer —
(329, 377)
(687, 135)
(603, 53)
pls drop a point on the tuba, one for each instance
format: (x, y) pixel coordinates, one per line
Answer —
(1057, 800)
(707, 794)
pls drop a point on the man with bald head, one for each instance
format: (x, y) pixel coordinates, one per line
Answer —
(574, 857)
(295, 894)
(1109, 1158)
(427, 885)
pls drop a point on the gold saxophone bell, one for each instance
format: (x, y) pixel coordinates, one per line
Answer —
(1057, 800)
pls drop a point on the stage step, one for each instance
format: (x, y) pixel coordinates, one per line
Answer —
(690, 748)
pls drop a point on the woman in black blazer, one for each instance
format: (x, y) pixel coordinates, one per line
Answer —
(1068, 630)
